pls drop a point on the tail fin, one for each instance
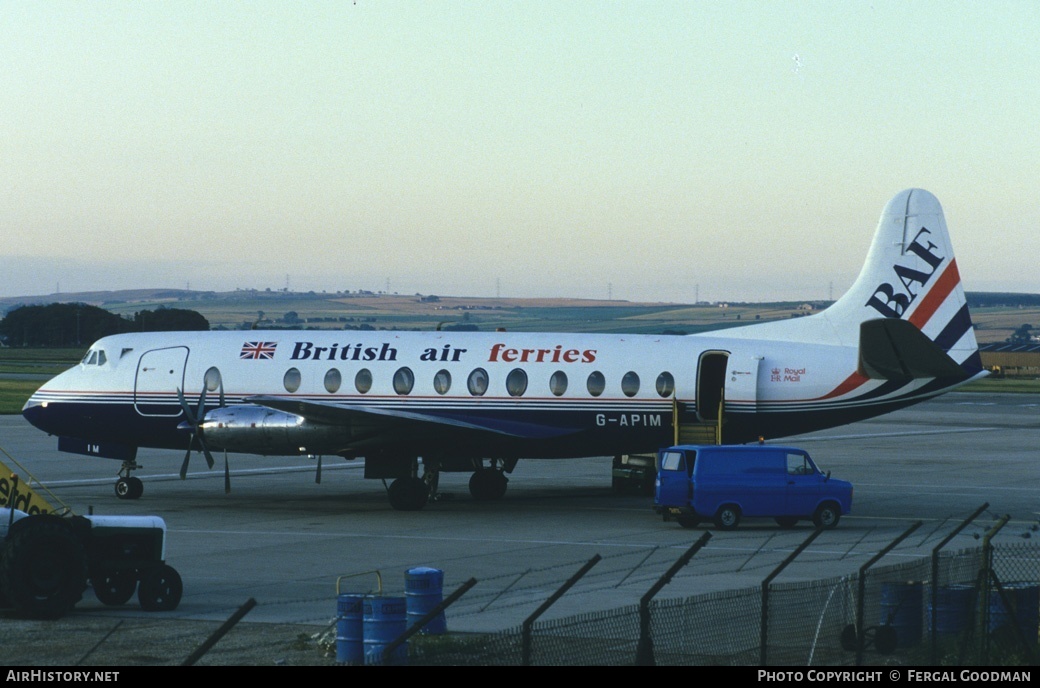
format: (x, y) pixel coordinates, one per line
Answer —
(910, 275)
(906, 311)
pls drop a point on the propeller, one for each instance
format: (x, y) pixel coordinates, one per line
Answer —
(194, 424)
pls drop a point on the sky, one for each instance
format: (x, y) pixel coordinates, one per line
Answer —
(645, 151)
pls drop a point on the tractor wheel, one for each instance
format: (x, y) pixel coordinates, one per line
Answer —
(160, 589)
(115, 587)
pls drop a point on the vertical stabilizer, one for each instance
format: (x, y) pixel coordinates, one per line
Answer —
(911, 275)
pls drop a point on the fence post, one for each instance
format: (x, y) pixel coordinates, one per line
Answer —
(525, 636)
(763, 623)
(934, 615)
(984, 592)
(860, 639)
(645, 646)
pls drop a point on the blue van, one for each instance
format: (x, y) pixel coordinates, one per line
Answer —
(726, 483)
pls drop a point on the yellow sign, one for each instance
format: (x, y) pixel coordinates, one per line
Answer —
(15, 493)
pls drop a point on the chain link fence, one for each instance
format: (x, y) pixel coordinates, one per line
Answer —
(973, 607)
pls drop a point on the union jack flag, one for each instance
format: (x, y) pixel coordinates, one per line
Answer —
(258, 350)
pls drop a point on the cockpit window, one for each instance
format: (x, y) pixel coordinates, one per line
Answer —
(94, 357)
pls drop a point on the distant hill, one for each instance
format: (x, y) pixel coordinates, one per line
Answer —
(996, 314)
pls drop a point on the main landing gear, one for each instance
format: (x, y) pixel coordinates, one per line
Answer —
(412, 492)
(129, 487)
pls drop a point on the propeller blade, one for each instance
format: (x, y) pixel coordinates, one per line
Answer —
(227, 475)
(317, 475)
(205, 450)
(202, 405)
(187, 456)
(184, 406)
(221, 393)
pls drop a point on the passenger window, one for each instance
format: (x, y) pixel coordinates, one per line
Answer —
(477, 382)
(516, 382)
(404, 380)
(630, 384)
(596, 383)
(291, 381)
(442, 381)
(363, 381)
(665, 384)
(558, 383)
(333, 380)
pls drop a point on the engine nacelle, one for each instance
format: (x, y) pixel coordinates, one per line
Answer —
(251, 429)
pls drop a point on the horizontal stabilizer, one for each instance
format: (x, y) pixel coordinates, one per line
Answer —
(893, 349)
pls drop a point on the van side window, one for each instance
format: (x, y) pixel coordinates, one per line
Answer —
(798, 465)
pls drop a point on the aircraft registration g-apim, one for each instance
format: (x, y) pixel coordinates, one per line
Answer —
(474, 401)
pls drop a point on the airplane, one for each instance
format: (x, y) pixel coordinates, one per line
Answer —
(481, 401)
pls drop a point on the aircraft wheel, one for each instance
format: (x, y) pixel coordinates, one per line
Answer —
(408, 494)
(160, 589)
(727, 517)
(488, 484)
(786, 521)
(129, 488)
(115, 587)
(827, 516)
(44, 569)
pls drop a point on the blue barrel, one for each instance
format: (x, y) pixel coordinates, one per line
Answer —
(423, 589)
(954, 609)
(901, 608)
(384, 621)
(349, 629)
(1024, 599)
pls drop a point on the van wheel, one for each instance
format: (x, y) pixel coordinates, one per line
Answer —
(687, 521)
(827, 516)
(727, 517)
(786, 521)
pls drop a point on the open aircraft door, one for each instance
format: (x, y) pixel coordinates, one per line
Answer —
(742, 384)
(160, 373)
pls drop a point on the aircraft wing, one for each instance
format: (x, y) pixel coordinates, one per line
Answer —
(378, 420)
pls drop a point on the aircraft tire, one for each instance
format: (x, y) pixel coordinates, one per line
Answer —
(129, 488)
(115, 587)
(727, 517)
(44, 569)
(408, 494)
(160, 589)
(488, 484)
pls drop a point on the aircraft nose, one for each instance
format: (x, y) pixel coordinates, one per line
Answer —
(35, 411)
